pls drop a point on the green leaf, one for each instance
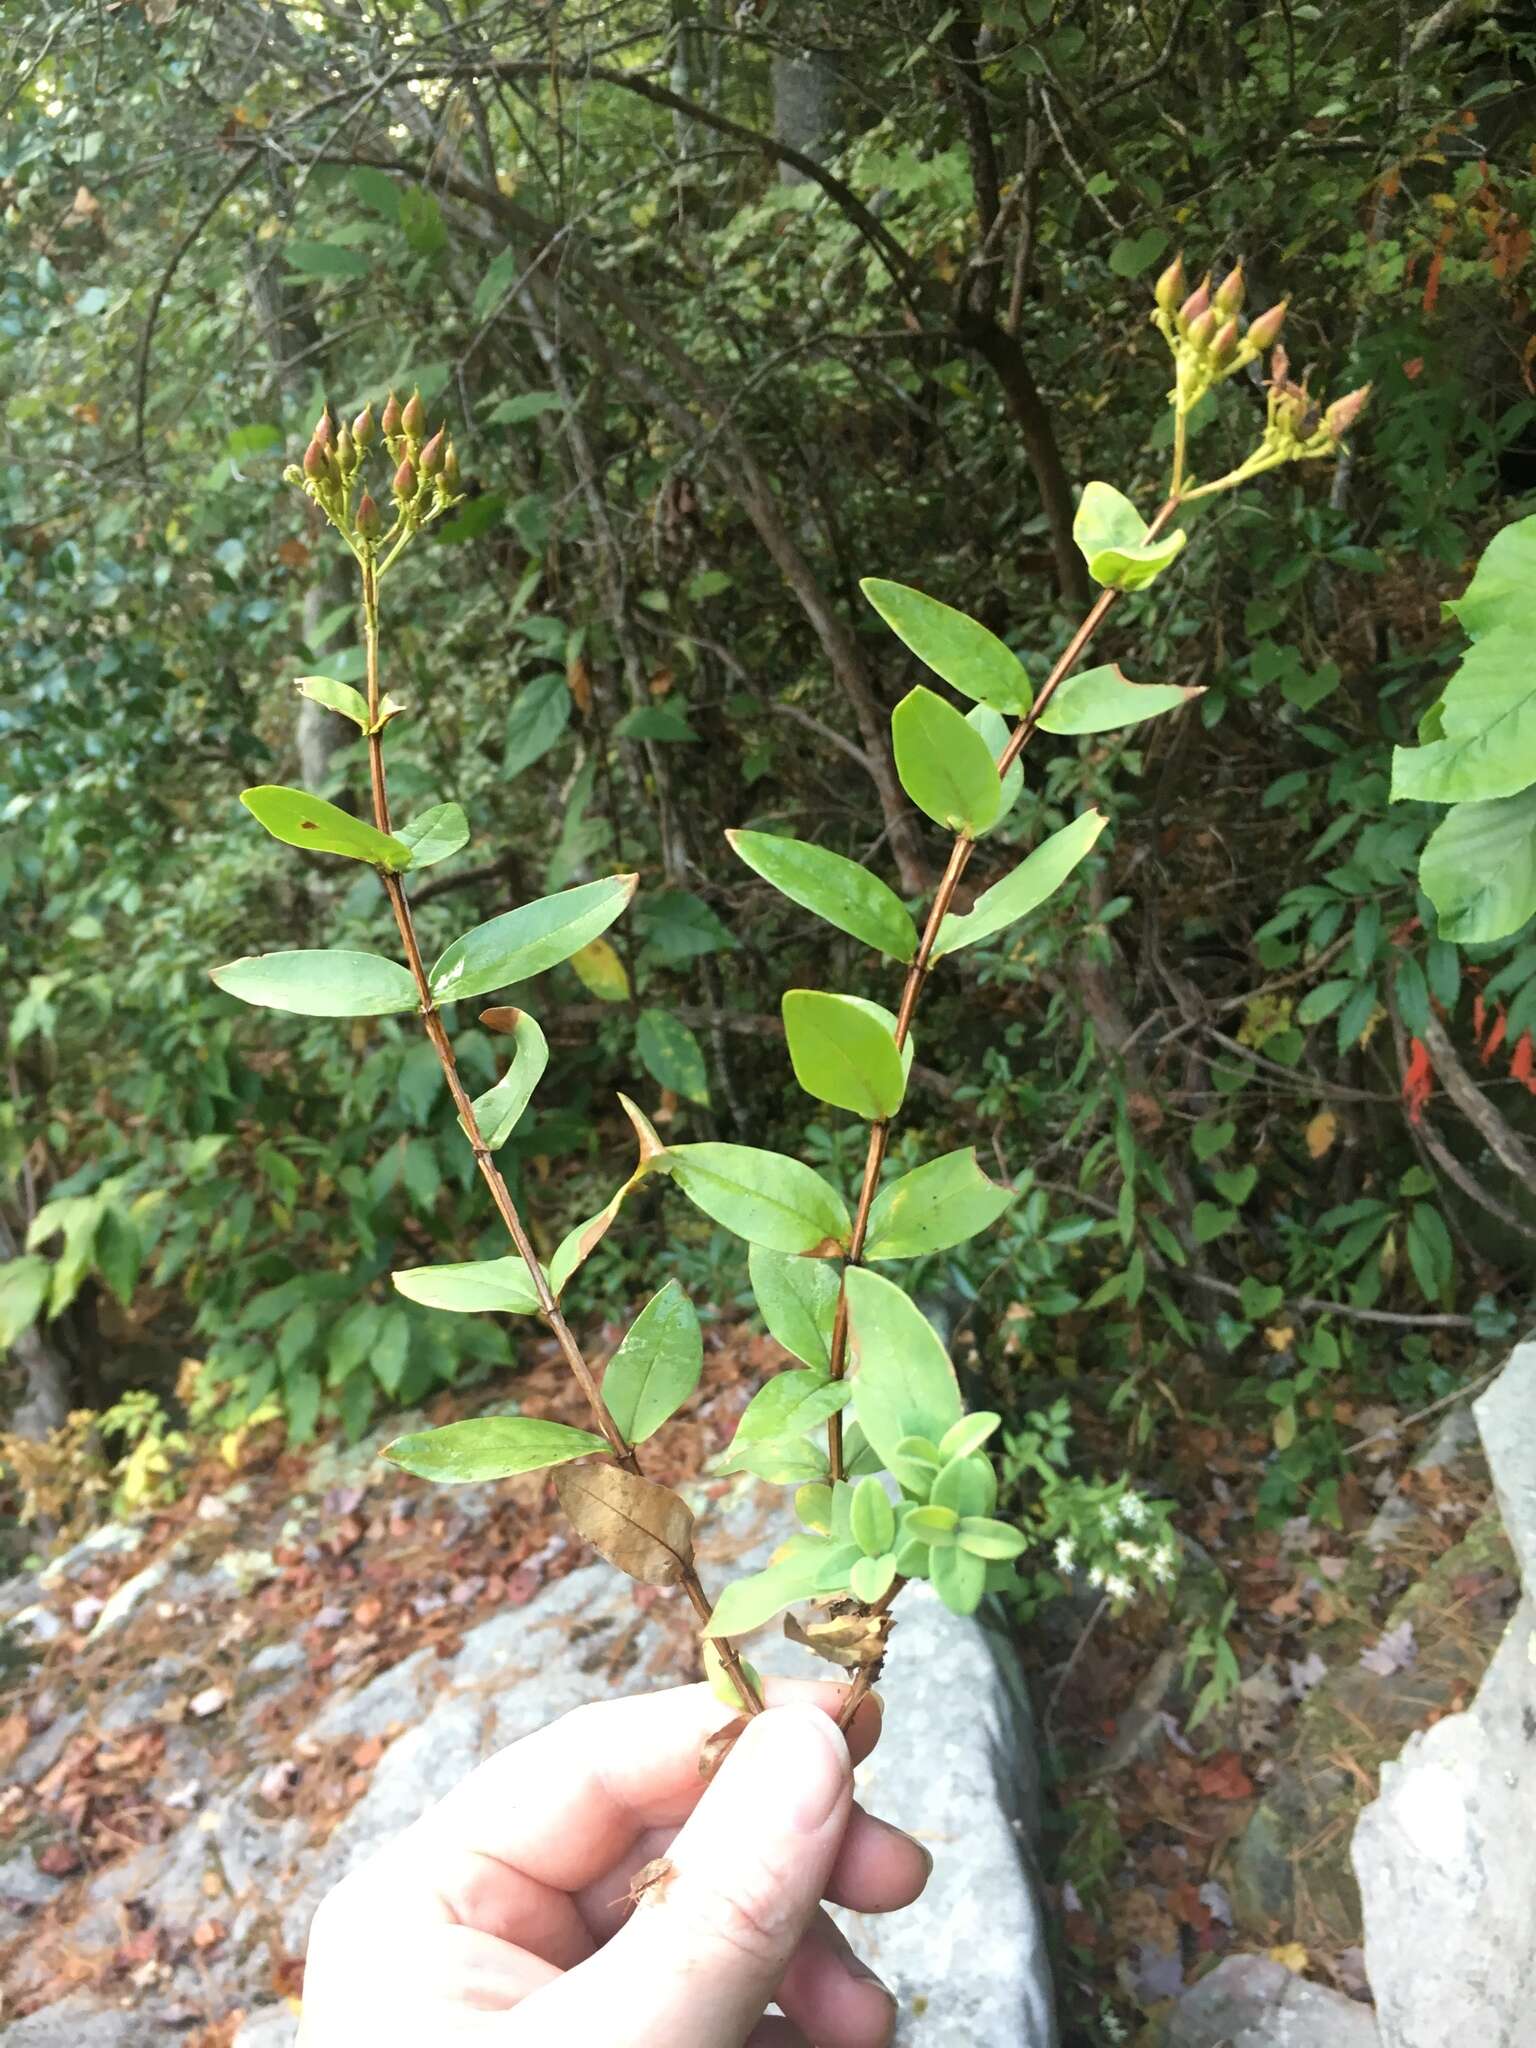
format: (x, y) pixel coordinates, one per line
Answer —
(720, 1681)
(540, 712)
(525, 406)
(503, 1286)
(967, 1436)
(966, 1486)
(299, 819)
(327, 259)
(490, 1447)
(997, 732)
(1210, 1221)
(1500, 591)
(118, 1253)
(657, 1366)
(1322, 1001)
(765, 1197)
(960, 1579)
(1036, 877)
(1104, 700)
(945, 765)
(832, 887)
(747, 1603)
(1479, 869)
(505, 269)
(872, 1519)
(338, 697)
(905, 1385)
(23, 1290)
(1207, 1139)
(671, 1054)
(497, 1111)
(788, 1406)
(434, 834)
(955, 647)
(933, 1207)
(1488, 719)
(844, 1052)
(654, 722)
(1236, 1185)
(319, 983)
(1136, 253)
(872, 1578)
(1111, 537)
(983, 1537)
(527, 941)
(798, 1301)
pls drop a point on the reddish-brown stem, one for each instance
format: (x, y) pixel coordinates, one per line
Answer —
(912, 988)
(432, 1022)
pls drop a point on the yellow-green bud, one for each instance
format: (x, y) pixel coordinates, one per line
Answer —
(1343, 412)
(430, 461)
(1197, 302)
(414, 418)
(451, 468)
(1265, 331)
(1229, 293)
(1202, 329)
(1169, 288)
(316, 464)
(346, 453)
(1225, 342)
(363, 427)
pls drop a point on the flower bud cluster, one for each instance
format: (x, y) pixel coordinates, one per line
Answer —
(1203, 329)
(425, 472)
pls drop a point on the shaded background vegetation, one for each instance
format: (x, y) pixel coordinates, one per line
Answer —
(730, 305)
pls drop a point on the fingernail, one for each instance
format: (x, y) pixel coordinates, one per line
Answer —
(911, 1840)
(796, 1763)
(855, 1964)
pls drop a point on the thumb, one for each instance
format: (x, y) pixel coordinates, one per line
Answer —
(701, 1957)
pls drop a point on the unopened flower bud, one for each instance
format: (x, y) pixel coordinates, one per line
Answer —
(1225, 342)
(369, 519)
(1343, 412)
(324, 433)
(364, 428)
(292, 474)
(1202, 329)
(414, 418)
(451, 468)
(315, 463)
(1229, 293)
(1265, 331)
(1169, 288)
(1197, 302)
(346, 453)
(405, 480)
(391, 419)
(430, 461)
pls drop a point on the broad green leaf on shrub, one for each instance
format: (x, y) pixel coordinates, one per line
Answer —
(945, 765)
(967, 1485)
(904, 1384)
(434, 834)
(1488, 723)
(319, 984)
(843, 1052)
(959, 1578)
(955, 647)
(765, 1197)
(983, 1537)
(299, 819)
(831, 886)
(933, 1207)
(1111, 537)
(540, 712)
(747, 1603)
(1479, 869)
(782, 1461)
(657, 1366)
(326, 259)
(681, 926)
(1104, 700)
(501, 1285)
(797, 1299)
(1036, 877)
(498, 1110)
(789, 1405)
(997, 732)
(338, 697)
(720, 1682)
(119, 1253)
(1500, 593)
(490, 1447)
(654, 722)
(598, 968)
(872, 1578)
(23, 1290)
(872, 1519)
(671, 1055)
(527, 941)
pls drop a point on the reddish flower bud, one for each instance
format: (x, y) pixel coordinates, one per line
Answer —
(324, 433)
(1343, 412)
(405, 480)
(363, 427)
(1202, 329)
(1197, 302)
(1169, 288)
(391, 420)
(369, 519)
(1229, 293)
(1265, 331)
(414, 417)
(430, 461)
(1225, 342)
(315, 464)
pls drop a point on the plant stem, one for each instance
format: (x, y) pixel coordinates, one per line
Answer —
(917, 973)
(394, 888)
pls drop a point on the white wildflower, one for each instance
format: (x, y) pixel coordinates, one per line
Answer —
(1133, 1553)
(1118, 1587)
(1164, 1559)
(1066, 1553)
(1133, 1509)
(1096, 1576)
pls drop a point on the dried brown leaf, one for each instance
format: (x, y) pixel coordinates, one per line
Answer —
(717, 1747)
(644, 1529)
(850, 1640)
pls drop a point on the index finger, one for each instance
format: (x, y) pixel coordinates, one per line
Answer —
(562, 1806)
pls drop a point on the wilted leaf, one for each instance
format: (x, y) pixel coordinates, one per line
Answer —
(644, 1529)
(850, 1640)
(717, 1747)
(1321, 1132)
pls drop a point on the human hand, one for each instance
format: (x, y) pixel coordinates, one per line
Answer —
(503, 1915)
